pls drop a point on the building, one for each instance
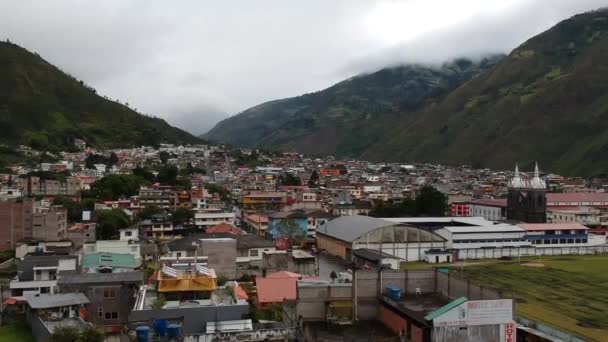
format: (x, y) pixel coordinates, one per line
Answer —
(48, 187)
(207, 218)
(460, 209)
(367, 258)
(15, 221)
(587, 216)
(108, 263)
(264, 200)
(526, 201)
(257, 223)
(157, 227)
(341, 236)
(49, 223)
(111, 296)
(159, 196)
(225, 228)
(484, 236)
(277, 287)
(221, 255)
(490, 209)
(561, 235)
(82, 233)
(576, 199)
(48, 312)
(38, 274)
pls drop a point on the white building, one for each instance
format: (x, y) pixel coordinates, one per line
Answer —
(493, 210)
(207, 218)
(561, 235)
(489, 236)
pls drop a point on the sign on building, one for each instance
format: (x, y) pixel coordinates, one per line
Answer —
(477, 312)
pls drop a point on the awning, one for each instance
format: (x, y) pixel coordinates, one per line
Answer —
(10, 301)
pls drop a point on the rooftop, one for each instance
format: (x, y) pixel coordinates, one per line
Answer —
(94, 278)
(552, 226)
(46, 301)
(113, 260)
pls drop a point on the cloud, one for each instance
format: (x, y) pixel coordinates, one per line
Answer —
(193, 62)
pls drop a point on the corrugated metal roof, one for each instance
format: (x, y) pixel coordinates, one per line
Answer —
(552, 226)
(448, 307)
(45, 301)
(348, 228)
(95, 260)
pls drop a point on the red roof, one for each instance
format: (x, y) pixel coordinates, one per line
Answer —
(284, 275)
(258, 218)
(275, 290)
(278, 286)
(225, 228)
(240, 293)
(577, 197)
(552, 226)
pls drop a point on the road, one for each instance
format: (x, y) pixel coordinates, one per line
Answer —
(327, 264)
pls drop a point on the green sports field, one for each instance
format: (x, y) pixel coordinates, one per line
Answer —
(569, 293)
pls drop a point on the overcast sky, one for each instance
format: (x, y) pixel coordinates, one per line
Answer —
(195, 62)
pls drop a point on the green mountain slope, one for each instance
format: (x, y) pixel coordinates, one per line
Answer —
(547, 101)
(348, 117)
(42, 106)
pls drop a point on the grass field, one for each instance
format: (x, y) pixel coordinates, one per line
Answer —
(569, 293)
(15, 332)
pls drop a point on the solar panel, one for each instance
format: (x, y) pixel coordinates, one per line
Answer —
(171, 272)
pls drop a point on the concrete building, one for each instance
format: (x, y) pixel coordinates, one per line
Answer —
(111, 296)
(221, 255)
(15, 221)
(49, 223)
(206, 218)
(526, 200)
(39, 274)
(40, 187)
(492, 210)
(561, 235)
(485, 236)
(587, 216)
(341, 236)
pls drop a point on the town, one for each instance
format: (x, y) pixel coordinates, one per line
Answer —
(217, 243)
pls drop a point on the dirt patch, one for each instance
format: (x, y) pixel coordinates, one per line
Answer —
(533, 264)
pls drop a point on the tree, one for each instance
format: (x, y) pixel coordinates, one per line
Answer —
(431, 202)
(164, 156)
(181, 216)
(148, 211)
(218, 189)
(289, 180)
(113, 159)
(290, 229)
(112, 187)
(167, 175)
(65, 334)
(143, 174)
(313, 182)
(333, 276)
(109, 222)
(74, 334)
(73, 208)
(159, 302)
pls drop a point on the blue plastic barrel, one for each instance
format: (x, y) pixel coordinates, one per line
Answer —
(173, 331)
(393, 292)
(142, 333)
(160, 326)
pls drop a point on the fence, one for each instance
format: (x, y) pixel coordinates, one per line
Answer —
(514, 252)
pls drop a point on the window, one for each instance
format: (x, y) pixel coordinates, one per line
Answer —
(178, 254)
(128, 233)
(253, 253)
(111, 315)
(100, 312)
(109, 292)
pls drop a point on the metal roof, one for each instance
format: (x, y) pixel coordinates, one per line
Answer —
(95, 260)
(448, 307)
(372, 254)
(348, 228)
(92, 278)
(45, 301)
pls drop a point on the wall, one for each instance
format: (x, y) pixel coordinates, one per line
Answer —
(255, 335)
(37, 328)
(221, 255)
(332, 246)
(193, 319)
(16, 222)
(472, 333)
(494, 253)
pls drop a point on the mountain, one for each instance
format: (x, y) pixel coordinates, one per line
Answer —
(324, 122)
(546, 101)
(45, 108)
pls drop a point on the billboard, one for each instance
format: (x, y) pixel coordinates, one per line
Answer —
(477, 312)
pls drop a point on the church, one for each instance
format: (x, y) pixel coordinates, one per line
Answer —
(527, 200)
